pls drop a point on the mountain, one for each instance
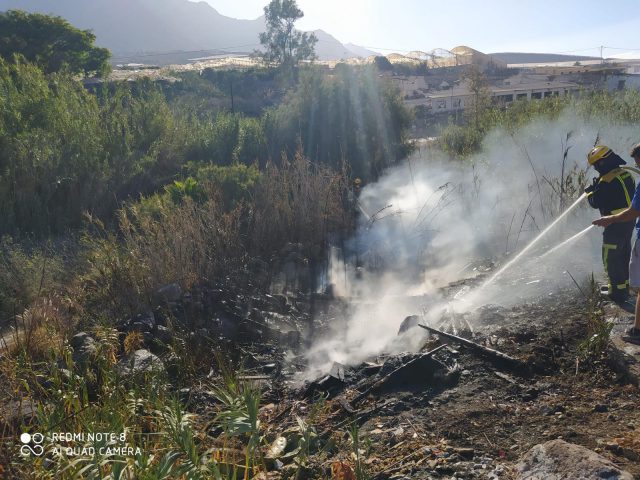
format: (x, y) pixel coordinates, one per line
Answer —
(129, 27)
(516, 57)
(329, 48)
(361, 51)
(126, 26)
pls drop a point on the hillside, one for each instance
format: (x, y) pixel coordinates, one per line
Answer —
(126, 26)
(361, 51)
(129, 27)
(330, 48)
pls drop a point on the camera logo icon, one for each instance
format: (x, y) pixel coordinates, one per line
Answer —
(31, 444)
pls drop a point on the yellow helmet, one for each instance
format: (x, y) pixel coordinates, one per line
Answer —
(598, 153)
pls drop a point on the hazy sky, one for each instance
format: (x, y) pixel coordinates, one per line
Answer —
(552, 26)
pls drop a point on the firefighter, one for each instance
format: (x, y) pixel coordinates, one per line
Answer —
(611, 193)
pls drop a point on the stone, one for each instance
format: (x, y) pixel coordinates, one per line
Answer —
(338, 370)
(329, 385)
(17, 413)
(557, 459)
(277, 448)
(143, 322)
(613, 447)
(168, 293)
(140, 361)
(630, 454)
(79, 339)
(163, 334)
(84, 348)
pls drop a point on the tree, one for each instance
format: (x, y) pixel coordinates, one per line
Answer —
(50, 42)
(383, 63)
(284, 45)
(478, 85)
(352, 116)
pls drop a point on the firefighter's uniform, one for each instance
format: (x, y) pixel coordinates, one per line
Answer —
(611, 193)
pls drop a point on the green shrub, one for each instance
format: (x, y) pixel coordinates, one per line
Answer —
(25, 275)
(234, 182)
(352, 116)
(460, 141)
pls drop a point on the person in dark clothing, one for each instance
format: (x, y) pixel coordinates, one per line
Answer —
(633, 334)
(611, 193)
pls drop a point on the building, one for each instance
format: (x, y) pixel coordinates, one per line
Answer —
(456, 57)
(515, 88)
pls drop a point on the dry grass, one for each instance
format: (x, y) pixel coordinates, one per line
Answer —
(133, 341)
(163, 241)
(43, 327)
(298, 202)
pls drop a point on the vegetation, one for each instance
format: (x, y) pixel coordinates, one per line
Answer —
(65, 151)
(598, 328)
(479, 88)
(284, 46)
(598, 106)
(106, 197)
(52, 43)
(351, 117)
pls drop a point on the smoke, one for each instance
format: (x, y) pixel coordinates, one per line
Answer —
(432, 221)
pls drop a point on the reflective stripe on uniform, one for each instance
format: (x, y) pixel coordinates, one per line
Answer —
(626, 192)
(622, 286)
(605, 255)
(618, 210)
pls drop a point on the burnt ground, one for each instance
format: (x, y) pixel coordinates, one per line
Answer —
(454, 413)
(458, 414)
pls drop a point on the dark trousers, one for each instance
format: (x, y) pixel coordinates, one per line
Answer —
(616, 251)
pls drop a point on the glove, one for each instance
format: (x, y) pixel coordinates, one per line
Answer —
(591, 187)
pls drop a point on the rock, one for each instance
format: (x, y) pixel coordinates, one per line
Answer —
(84, 348)
(277, 448)
(548, 410)
(530, 394)
(172, 365)
(338, 370)
(601, 408)
(17, 413)
(146, 321)
(79, 339)
(630, 454)
(557, 459)
(169, 293)
(408, 370)
(163, 334)
(613, 447)
(140, 361)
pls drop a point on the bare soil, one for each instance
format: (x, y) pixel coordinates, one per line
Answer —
(477, 420)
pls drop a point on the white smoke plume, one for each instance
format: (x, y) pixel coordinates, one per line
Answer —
(432, 220)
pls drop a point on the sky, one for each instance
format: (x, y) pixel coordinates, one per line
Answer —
(547, 26)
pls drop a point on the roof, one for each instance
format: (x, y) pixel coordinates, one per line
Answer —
(463, 91)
